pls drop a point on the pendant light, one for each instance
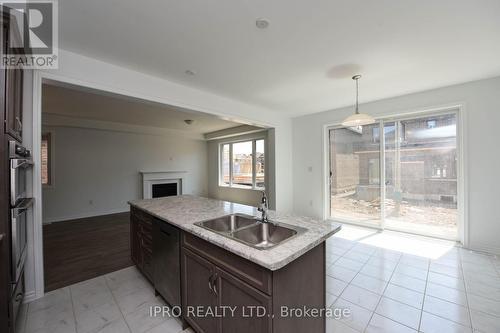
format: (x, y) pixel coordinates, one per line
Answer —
(358, 119)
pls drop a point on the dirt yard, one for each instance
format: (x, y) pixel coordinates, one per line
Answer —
(429, 214)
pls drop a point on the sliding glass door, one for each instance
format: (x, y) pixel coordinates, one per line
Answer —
(355, 175)
(421, 176)
(398, 174)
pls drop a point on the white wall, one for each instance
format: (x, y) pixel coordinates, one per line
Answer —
(84, 71)
(93, 73)
(29, 268)
(482, 139)
(97, 171)
(244, 196)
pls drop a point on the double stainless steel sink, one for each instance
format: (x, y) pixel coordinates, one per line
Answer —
(251, 231)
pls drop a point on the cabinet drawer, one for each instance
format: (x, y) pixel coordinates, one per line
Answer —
(146, 234)
(142, 217)
(246, 270)
(146, 244)
(146, 226)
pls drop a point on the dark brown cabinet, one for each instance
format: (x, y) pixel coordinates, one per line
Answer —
(141, 241)
(13, 92)
(207, 285)
(214, 281)
(11, 104)
(14, 103)
(245, 286)
(214, 291)
(198, 292)
(252, 307)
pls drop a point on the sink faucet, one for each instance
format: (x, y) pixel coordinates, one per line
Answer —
(263, 207)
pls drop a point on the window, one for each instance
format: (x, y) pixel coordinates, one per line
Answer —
(242, 161)
(431, 124)
(225, 164)
(242, 164)
(259, 164)
(46, 159)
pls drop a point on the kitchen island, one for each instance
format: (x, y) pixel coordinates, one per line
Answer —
(259, 287)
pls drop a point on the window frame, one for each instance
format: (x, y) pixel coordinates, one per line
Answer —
(254, 186)
(50, 158)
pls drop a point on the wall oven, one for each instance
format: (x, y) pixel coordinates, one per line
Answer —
(20, 164)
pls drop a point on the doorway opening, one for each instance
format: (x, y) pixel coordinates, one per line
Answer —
(95, 148)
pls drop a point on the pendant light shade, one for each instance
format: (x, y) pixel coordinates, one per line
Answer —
(358, 119)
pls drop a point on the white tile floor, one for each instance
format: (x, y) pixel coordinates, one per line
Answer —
(395, 282)
(118, 302)
(391, 282)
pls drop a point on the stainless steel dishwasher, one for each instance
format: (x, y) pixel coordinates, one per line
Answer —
(166, 262)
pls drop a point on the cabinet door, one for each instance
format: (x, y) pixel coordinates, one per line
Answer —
(14, 103)
(250, 305)
(197, 274)
(13, 91)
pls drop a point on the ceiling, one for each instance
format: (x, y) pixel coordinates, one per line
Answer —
(77, 103)
(302, 63)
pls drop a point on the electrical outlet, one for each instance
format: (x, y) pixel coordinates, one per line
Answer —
(310, 169)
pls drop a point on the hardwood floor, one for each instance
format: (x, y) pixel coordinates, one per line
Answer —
(77, 250)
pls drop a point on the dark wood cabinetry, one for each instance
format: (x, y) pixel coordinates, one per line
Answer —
(241, 284)
(252, 307)
(11, 108)
(14, 103)
(198, 274)
(214, 279)
(13, 90)
(209, 288)
(5, 287)
(141, 241)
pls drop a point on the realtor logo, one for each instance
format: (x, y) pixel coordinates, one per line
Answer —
(31, 39)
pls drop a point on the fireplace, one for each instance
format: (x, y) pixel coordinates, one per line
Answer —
(162, 183)
(164, 190)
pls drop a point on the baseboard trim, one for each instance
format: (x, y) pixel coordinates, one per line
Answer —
(83, 215)
(486, 249)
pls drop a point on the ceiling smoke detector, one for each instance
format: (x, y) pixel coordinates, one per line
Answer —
(261, 23)
(189, 121)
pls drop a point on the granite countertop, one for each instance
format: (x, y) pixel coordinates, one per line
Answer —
(185, 210)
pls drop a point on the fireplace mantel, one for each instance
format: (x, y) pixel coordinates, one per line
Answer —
(161, 177)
